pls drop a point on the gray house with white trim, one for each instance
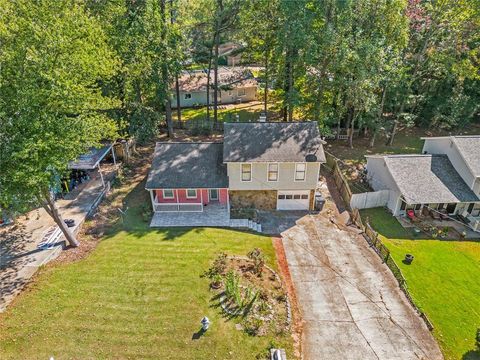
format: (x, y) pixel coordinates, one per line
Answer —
(444, 178)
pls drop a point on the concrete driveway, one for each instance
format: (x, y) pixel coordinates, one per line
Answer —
(350, 302)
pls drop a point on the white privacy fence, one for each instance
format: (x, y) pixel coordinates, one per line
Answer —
(369, 199)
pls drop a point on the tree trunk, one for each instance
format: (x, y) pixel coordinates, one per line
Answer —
(177, 85)
(168, 117)
(215, 80)
(379, 118)
(290, 89)
(265, 95)
(210, 56)
(395, 126)
(165, 80)
(350, 138)
(52, 210)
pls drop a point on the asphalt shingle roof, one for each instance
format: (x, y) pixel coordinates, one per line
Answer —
(469, 147)
(272, 141)
(187, 165)
(424, 179)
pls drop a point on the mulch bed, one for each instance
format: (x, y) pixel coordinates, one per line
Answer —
(284, 272)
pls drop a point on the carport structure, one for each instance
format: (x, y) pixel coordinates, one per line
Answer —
(91, 160)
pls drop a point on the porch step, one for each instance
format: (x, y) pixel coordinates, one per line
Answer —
(246, 223)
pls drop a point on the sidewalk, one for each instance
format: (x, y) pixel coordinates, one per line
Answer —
(19, 255)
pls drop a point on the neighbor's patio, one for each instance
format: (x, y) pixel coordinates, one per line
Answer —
(213, 214)
(456, 228)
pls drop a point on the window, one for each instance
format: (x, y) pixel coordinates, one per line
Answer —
(191, 193)
(296, 197)
(272, 172)
(246, 172)
(288, 197)
(168, 194)
(241, 92)
(281, 197)
(187, 96)
(304, 197)
(300, 170)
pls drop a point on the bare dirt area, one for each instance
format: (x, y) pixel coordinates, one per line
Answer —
(351, 305)
(297, 324)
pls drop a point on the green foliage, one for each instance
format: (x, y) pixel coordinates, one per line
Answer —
(54, 58)
(218, 267)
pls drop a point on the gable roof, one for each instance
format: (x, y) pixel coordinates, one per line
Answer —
(191, 81)
(272, 141)
(469, 148)
(427, 179)
(187, 165)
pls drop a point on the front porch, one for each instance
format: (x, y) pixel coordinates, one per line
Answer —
(213, 214)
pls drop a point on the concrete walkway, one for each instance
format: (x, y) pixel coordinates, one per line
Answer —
(20, 256)
(350, 302)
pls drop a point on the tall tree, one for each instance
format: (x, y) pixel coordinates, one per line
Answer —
(53, 61)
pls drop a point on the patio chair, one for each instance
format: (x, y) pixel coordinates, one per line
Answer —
(411, 215)
(434, 214)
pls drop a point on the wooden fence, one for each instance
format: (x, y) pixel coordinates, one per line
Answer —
(198, 125)
(340, 182)
(372, 238)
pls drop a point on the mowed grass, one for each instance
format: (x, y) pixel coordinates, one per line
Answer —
(444, 280)
(139, 295)
(246, 112)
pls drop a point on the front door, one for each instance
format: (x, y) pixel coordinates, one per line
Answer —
(213, 194)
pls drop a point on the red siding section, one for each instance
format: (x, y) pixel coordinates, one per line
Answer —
(182, 196)
(223, 196)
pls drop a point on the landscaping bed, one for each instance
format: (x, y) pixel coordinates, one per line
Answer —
(251, 293)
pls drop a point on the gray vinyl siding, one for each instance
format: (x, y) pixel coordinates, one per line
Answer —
(447, 147)
(225, 97)
(286, 173)
(380, 178)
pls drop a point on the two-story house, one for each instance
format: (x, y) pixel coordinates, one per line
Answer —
(271, 166)
(445, 178)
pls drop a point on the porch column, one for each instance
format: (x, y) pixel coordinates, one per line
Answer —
(176, 196)
(113, 155)
(152, 197)
(101, 176)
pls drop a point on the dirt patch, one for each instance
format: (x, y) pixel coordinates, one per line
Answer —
(284, 272)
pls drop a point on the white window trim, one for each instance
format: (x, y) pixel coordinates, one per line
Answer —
(251, 172)
(168, 197)
(191, 197)
(268, 171)
(295, 173)
(244, 92)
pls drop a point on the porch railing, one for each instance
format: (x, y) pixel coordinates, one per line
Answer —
(186, 207)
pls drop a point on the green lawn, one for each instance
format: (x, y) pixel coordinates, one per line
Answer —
(444, 280)
(245, 112)
(139, 295)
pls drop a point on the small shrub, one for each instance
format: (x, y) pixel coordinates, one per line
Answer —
(252, 326)
(232, 286)
(218, 267)
(258, 259)
(146, 213)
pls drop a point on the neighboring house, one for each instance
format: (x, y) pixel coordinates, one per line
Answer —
(464, 154)
(232, 52)
(259, 165)
(235, 86)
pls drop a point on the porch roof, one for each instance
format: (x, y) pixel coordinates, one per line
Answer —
(428, 179)
(187, 165)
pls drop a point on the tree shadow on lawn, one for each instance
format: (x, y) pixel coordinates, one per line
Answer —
(471, 355)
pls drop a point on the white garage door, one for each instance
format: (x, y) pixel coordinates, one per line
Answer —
(293, 200)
